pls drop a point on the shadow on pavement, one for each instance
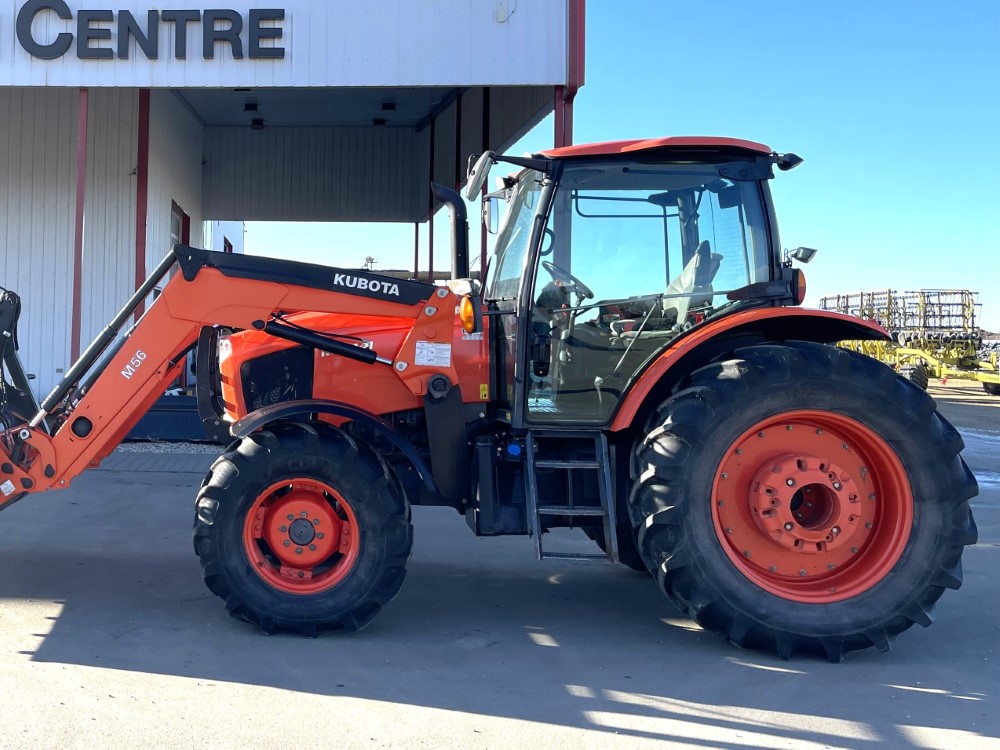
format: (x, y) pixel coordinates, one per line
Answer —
(481, 627)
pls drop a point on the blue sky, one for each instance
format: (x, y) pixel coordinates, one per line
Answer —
(894, 105)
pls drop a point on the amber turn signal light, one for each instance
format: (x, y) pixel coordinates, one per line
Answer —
(799, 287)
(467, 314)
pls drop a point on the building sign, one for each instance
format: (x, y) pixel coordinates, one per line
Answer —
(107, 34)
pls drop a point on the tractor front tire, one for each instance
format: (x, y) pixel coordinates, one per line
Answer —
(992, 389)
(302, 528)
(803, 498)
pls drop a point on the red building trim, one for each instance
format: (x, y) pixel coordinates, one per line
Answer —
(141, 194)
(575, 73)
(83, 112)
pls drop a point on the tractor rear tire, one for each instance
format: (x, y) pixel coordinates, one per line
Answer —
(992, 388)
(302, 528)
(916, 374)
(803, 498)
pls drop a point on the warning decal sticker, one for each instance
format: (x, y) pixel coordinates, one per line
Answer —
(433, 355)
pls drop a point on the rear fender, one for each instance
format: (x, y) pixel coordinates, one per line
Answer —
(742, 328)
(304, 407)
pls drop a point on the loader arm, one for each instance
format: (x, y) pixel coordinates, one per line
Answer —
(81, 422)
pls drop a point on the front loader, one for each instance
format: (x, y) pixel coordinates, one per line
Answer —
(635, 364)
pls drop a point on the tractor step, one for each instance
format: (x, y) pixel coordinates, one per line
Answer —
(546, 449)
(575, 556)
(562, 510)
(568, 464)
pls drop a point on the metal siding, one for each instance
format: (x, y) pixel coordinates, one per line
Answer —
(514, 111)
(445, 132)
(109, 216)
(313, 174)
(175, 173)
(471, 131)
(37, 178)
(369, 43)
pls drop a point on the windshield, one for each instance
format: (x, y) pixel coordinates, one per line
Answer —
(681, 233)
(515, 234)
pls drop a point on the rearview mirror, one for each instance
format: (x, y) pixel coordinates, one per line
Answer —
(491, 214)
(478, 173)
(803, 254)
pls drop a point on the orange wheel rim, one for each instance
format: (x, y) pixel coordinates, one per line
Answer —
(301, 536)
(812, 506)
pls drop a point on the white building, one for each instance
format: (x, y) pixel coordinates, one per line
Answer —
(127, 129)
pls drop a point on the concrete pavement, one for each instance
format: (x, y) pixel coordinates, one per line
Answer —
(111, 640)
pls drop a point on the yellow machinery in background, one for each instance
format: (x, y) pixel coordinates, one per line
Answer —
(934, 334)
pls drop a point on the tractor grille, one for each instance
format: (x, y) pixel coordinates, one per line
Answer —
(282, 376)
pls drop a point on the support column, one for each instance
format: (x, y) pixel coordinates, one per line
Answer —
(141, 194)
(430, 216)
(83, 112)
(416, 249)
(486, 147)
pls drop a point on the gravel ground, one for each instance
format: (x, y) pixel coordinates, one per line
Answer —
(161, 446)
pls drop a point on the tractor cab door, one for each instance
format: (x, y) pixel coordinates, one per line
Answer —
(506, 285)
(630, 256)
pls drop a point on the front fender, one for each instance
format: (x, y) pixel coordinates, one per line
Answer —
(766, 323)
(286, 409)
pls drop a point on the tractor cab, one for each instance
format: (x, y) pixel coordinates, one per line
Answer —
(609, 253)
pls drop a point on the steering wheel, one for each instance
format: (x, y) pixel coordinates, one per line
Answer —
(564, 277)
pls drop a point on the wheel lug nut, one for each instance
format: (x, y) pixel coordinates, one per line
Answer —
(746, 553)
(320, 535)
(290, 517)
(739, 451)
(809, 505)
(788, 526)
(829, 566)
(288, 543)
(836, 485)
(298, 550)
(788, 427)
(802, 572)
(868, 525)
(312, 547)
(835, 530)
(304, 514)
(773, 568)
(854, 550)
(798, 515)
(819, 432)
(871, 496)
(282, 529)
(790, 482)
(760, 434)
(315, 522)
(725, 475)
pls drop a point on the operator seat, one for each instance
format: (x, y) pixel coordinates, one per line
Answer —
(695, 279)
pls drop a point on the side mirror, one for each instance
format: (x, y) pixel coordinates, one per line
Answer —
(803, 254)
(478, 173)
(491, 214)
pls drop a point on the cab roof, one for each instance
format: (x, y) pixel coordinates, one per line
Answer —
(613, 148)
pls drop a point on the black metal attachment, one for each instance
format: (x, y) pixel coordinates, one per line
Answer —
(319, 341)
(459, 229)
(102, 342)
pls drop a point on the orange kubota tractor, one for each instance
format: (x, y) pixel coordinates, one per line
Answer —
(635, 364)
